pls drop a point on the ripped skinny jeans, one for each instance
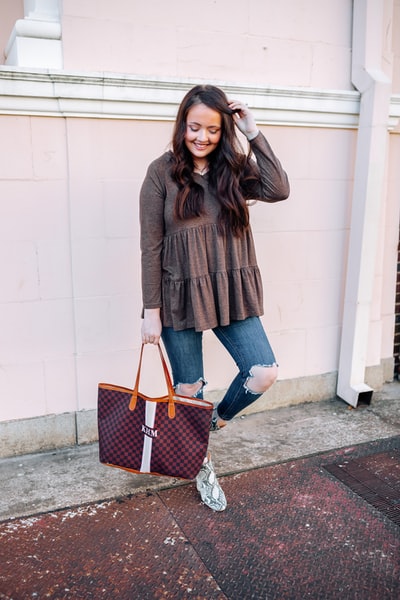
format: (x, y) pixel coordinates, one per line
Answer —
(247, 343)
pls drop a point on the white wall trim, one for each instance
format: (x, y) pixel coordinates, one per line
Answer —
(55, 93)
(370, 21)
(35, 40)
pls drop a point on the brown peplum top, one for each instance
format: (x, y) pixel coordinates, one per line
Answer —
(198, 277)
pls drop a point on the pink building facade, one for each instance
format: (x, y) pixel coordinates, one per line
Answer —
(88, 94)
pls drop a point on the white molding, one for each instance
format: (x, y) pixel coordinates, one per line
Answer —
(370, 25)
(35, 40)
(102, 95)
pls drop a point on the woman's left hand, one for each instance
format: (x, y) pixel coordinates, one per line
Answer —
(244, 119)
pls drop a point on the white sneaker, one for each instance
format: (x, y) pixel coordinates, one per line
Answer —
(210, 491)
(216, 423)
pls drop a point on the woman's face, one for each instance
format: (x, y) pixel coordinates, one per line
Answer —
(203, 131)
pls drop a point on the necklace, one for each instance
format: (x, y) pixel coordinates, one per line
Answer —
(202, 171)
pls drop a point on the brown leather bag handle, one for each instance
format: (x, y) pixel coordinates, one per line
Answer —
(171, 391)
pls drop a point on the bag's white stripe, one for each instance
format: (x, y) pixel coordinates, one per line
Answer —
(148, 441)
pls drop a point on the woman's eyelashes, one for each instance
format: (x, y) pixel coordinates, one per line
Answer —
(196, 129)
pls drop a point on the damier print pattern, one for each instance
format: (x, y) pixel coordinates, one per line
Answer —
(120, 430)
(181, 443)
(178, 445)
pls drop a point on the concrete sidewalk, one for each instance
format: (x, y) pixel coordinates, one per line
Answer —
(33, 484)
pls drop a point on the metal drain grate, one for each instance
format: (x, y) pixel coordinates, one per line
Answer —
(376, 479)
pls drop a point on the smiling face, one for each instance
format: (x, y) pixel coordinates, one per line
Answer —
(203, 132)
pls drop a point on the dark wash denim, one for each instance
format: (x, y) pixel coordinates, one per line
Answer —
(247, 343)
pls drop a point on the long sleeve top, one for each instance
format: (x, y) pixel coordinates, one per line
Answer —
(199, 277)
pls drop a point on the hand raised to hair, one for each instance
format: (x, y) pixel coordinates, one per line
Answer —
(244, 119)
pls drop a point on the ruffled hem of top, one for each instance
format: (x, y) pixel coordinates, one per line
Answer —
(212, 300)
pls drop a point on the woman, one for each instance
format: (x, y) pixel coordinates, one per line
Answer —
(199, 269)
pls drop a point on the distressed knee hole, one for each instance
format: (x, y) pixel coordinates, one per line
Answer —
(261, 377)
(190, 389)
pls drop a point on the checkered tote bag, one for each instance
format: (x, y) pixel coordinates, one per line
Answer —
(158, 436)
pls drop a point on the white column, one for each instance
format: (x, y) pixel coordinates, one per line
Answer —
(36, 39)
(369, 26)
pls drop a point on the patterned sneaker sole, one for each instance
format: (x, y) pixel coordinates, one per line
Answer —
(209, 489)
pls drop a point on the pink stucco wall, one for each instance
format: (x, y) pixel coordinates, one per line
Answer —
(225, 40)
(69, 262)
(10, 11)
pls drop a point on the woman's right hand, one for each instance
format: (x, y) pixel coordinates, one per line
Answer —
(151, 326)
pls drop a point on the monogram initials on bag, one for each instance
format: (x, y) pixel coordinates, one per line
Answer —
(149, 431)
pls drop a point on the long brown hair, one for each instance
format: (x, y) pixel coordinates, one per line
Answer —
(229, 167)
